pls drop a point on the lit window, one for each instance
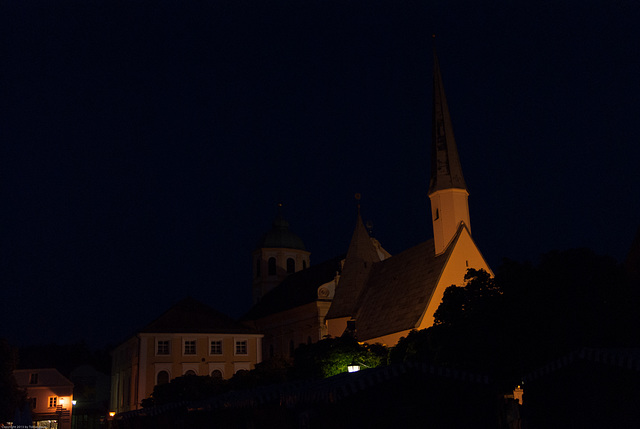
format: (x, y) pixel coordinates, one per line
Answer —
(190, 347)
(163, 377)
(164, 347)
(272, 266)
(53, 401)
(33, 378)
(216, 347)
(241, 347)
(291, 266)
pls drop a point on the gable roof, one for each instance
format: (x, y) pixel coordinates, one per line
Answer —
(399, 290)
(297, 289)
(192, 316)
(361, 257)
(46, 377)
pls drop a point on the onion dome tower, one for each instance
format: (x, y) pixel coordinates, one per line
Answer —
(279, 253)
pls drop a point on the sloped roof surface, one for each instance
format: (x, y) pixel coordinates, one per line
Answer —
(192, 316)
(361, 257)
(399, 290)
(296, 289)
(46, 377)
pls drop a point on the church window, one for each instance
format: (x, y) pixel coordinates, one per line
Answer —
(162, 377)
(437, 215)
(190, 372)
(190, 347)
(216, 374)
(304, 265)
(272, 266)
(258, 267)
(291, 266)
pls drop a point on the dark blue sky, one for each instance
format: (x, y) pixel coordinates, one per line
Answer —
(145, 144)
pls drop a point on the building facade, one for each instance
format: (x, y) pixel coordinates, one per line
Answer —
(189, 339)
(50, 395)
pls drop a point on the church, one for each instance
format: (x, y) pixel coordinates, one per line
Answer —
(369, 293)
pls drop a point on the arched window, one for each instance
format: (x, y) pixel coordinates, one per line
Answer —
(272, 266)
(216, 374)
(242, 372)
(190, 372)
(291, 266)
(162, 377)
(258, 267)
(304, 265)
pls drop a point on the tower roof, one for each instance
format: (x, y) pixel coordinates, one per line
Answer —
(360, 258)
(446, 171)
(280, 236)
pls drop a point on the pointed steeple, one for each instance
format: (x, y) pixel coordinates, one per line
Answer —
(361, 256)
(447, 188)
(446, 171)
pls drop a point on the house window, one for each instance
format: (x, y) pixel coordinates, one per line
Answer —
(190, 347)
(291, 266)
(216, 374)
(33, 403)
(241, 347)
(53, 401)
(164, 347)
(33, 378)
(162, 378)
(216, 347)
(272, 266)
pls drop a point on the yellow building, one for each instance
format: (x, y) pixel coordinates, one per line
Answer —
(190, 338)
(376, 296)
(50, 395)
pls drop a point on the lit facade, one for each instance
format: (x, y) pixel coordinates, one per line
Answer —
(50, 395)
(190, 338)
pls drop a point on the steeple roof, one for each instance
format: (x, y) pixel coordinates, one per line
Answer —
(446, 171)
(361, 256)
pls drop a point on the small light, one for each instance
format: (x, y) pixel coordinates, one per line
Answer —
(112, 413)
(73, 402)
(61, 401)
(354, 367)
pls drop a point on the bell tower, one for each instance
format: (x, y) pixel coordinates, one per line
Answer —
(447, 188)
(279, 253)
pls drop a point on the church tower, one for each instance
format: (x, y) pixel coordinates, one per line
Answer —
(279, 253)
(447, 188)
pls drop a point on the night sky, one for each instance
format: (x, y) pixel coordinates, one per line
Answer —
(145, 144)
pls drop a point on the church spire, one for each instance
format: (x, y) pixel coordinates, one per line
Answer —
(447, 188)
(446, 171)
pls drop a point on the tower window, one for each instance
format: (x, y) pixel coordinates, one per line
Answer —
(437, 215)
(272, 266)
(304, 265)
(291, 266)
